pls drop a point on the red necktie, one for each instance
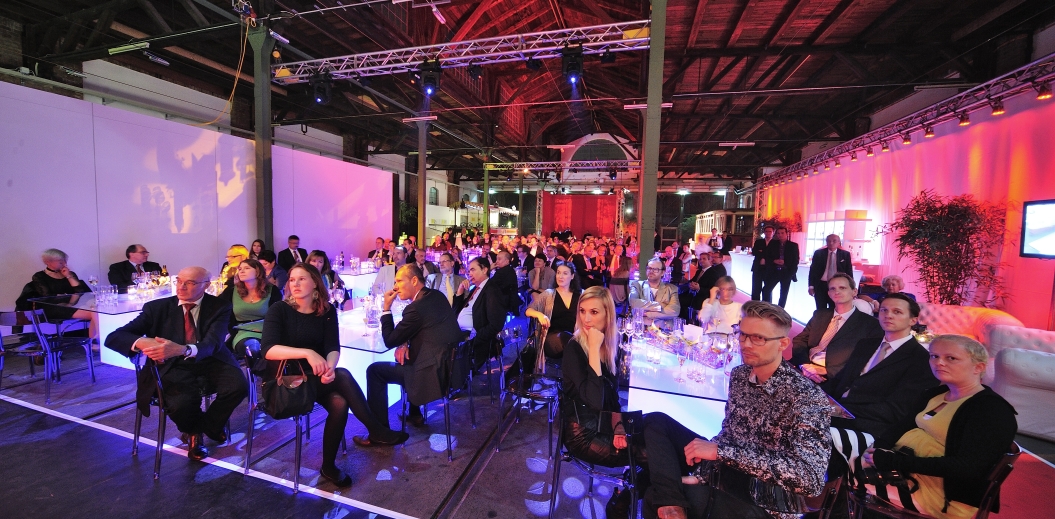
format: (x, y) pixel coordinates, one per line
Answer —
(188, 324)
(139, 269)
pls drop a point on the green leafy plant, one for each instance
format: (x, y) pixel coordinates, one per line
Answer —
(953, 243)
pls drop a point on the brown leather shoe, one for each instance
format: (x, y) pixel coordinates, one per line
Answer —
(671, 512)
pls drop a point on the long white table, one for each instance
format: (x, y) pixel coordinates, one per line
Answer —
(800, 303)
(362, 346)
(359, 284)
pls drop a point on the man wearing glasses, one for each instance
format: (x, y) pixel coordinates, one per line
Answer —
(659, 299)
(445, 280)
(122, 272)
(775, 431)
(183, 336)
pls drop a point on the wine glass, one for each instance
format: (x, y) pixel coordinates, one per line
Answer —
(93, 282)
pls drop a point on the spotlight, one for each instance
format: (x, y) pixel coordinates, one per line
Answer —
(837, 162)
(965, 120)
(906, 139)
(430, 71)
(998, 106)
(162, 61)
(533, 64)
(928, 132)
(571, 63)
(826, 166)
(869, 152)
(607, 56)
(613, 173)
(476, 72)
(815, 172)
(853, 156)
(1043, 91)
(885, 146)
(321, 86)
(276, 54)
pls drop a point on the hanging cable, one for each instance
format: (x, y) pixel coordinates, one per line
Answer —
(238, 73)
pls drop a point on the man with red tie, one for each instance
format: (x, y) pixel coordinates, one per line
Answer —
(184, 335)
(122, 272)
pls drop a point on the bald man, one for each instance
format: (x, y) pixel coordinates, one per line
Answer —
(184, 336)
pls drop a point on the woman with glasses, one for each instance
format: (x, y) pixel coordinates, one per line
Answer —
(56, 279)
(303, 328)
(719, 312)
(235, 256)
(250, 297)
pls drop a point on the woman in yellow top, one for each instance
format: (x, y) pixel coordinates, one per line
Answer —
(957, 433)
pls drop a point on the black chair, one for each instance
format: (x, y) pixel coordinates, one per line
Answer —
(458, 370)
(41, 345)
(533, 384)
(863, 504)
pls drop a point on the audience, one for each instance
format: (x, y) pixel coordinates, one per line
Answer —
(386, 275)
(293, 254)
(700, 285)
(303, 328)
(892, 284)
(256, 248)
(659, 299)
(249, 297)
(321, 262)
(719, 313)
(57, 279)
(446, 280)
(504, 277)
(827, 261)
(379, 250)
(122, 272)
(539, 279)
(235, 255)
(824, 346)
(276, 275)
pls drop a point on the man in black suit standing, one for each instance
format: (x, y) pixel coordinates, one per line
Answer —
(782, 263)
(884, 376)
(824, 346)
(184, 335)
(828, 261)
(422, 340)
(292, 255)
(504, 276)
(707, 274)
(758, 266)
(121, 273)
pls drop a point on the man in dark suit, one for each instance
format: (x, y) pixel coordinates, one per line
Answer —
(782, 262)
(121, 273)
(832, 334)
(758, 266)
(481, 311)
(446, 281)
(184, 335)
(505, 278)
(422, 340)
(699, 287)
(884, 376)
(585, 266)
(292, 255)
(828, 261)
(379, 249)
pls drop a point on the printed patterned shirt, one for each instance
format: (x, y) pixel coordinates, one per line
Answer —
(777, 431)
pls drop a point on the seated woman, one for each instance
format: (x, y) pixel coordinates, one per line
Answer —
(555, 310)
(892, 284)
(57, 279)
(321, 262)
(256, 248)
(303, 328)
(720, 313)
(619, 269)
(589, 385)
(250, 297)
(957, 433)
(235, 255)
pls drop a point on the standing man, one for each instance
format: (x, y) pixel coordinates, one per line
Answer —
(446, 281)
(828, 261)
(775, 430)
(822, 348)
(504, 276)
(758, 266)
(659, 299)
(422, 340)
(386, 277)
(184, 335)
(292, 255)
(121, 273)
(782, 262)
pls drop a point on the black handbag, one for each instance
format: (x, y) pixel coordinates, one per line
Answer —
(287, 396)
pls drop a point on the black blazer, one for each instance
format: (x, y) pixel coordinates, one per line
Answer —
(164, 318)
(430, 331)
(285, 258)
(758, 250)
(489, 315)
(707, 279)
(120, 273)
(791, 258)
(506, 280)
(884, 395)
(820, 262)
(587, 277)
(857, 327)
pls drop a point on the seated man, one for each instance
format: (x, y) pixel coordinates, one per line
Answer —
(121, 273)
(823, 347)
(504, 276)
(446, 281)
(386, 276)
(184, 334)
(422, 340)
(775, 430)
(379, 250)
(699, 287)
(275, 275)
(882, 379)
(659, 299)
(292, 255)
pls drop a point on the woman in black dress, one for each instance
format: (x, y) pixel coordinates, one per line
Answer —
(56, 279)
(304, 328)
(555, 308)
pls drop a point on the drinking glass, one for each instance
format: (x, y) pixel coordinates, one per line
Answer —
(338, 296)
(93, 282)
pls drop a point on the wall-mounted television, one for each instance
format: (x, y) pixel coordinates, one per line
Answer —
(1038, 229)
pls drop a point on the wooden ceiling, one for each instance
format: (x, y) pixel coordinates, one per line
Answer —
(777, 73)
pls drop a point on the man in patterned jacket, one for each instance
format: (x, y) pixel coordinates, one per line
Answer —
(775, 430)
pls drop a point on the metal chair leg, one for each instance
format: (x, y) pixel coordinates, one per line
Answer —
(447, 426)
(549, 415)
(472, 408)
(296, 456)
(555, 485)
(160, 443)
(47, 378)
(406, 410)
(249, 437)
(501, 407)
(135, 432)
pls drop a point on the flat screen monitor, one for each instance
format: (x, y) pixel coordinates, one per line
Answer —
(1038, 229)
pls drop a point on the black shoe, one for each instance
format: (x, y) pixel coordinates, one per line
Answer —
(220, 437)
(415, 419)
(196, 449)
(619, 505)
(336, 476)
(366, 441)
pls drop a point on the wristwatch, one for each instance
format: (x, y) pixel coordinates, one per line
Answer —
(187, 351)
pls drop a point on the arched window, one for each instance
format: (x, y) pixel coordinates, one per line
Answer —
(434, 196)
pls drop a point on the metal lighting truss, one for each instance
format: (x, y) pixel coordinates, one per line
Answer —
(585, 165)
(1026, 78)
(614, 37)
(538, 211)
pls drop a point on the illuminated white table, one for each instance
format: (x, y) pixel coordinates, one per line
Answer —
(359, 284)
(362, 346)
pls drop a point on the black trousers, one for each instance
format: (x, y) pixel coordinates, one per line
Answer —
(820, 296)
(378, 376)
(774, 277)
(666, 440)
(758, 279)
(183, 384)
(588, 445)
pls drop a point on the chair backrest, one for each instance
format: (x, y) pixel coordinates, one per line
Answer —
(459, 365)
(991, 498)
(35, 318)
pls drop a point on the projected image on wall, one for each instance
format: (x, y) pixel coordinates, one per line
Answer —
(1038, 229)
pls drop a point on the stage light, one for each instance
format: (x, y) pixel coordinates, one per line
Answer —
(1043, 91)
(476, 72)
(613, 174)
(906, 139)
(533, 64)
(826, 166)
(885, 147)
(607, 56)
(596, 191)
(629, 210)
(965, 120)
(322, 87)
(869, 152)
(837, 162)
(683, 192)
(998, 106)
(430, 71)
(853, 156)
(928, 132)
(815, 171)
(571, 63)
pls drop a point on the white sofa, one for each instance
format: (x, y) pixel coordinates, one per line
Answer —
(973, 321)
(1025, 376)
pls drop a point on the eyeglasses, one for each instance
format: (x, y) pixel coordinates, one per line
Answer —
(755, 339)
(141, 252)
(650, 269)
(189, 283)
